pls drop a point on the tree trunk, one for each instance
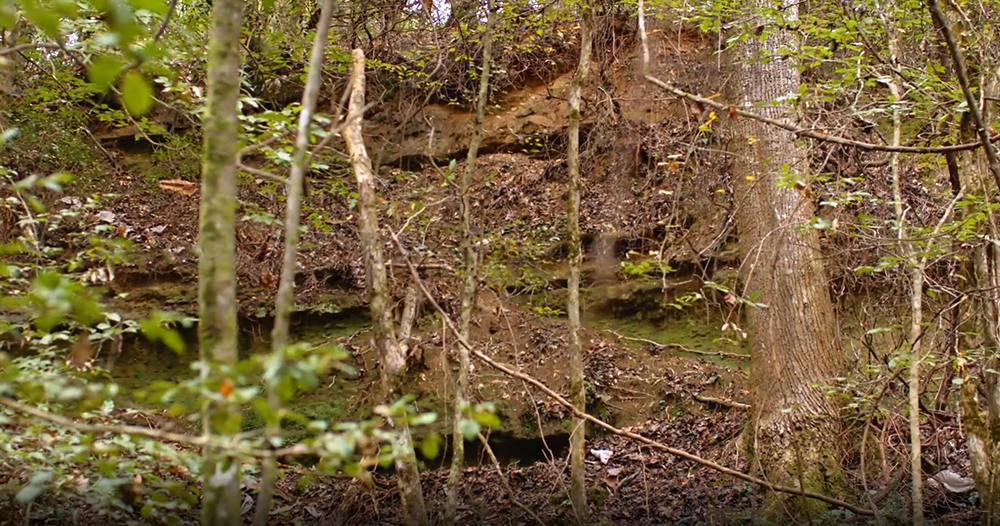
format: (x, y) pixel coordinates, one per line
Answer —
(982, 426)
(217, 252)
(578, 393)
(981, 418)
(285, 301)
(794, 338)
(391, 354)
(471, 273)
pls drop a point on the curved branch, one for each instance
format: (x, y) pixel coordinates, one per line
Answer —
(600, 423)
(800, 132)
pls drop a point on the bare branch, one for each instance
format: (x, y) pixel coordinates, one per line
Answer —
(602, 424)
(800, 132)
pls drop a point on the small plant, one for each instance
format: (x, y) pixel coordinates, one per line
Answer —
(646, 267)
(549, 312)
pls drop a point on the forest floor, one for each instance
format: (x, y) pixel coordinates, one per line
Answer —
(633, 484)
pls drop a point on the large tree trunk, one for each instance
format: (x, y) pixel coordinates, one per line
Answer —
(471, 273)
(578, 393)
(794, 338)
(285, 301)
(392, 355)
(217, 252)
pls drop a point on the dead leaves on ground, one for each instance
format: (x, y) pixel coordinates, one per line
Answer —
(179, 185)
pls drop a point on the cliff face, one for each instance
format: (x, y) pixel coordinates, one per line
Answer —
(654, 176)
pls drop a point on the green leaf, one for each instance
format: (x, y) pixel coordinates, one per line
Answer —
(8, 135)
(29, 493)
(470, 428)
(104, 70)
(487, 419)
(155, 6)
(423, 419)
(137, 94)
(44, 18)
(431, 446)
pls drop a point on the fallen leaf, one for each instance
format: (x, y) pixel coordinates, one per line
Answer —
(179, 185)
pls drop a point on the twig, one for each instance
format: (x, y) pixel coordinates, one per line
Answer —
(446, 319)
(682, 348)
(506, 483)
(262, 173)
(21, 47)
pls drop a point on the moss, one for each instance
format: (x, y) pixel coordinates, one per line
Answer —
(597, 495)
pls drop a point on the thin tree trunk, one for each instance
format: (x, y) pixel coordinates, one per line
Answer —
(471, 273)
(285, 301)
(578, 393)
(982, 426)
(391, 353)
(217, 252)
(794, 342)
(981, 418)
(916, 292)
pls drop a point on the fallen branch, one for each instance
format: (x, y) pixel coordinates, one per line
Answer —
(506, 483)
(602, 424)
(721, 402)
(680, 347)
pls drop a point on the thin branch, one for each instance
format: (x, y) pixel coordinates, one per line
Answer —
(446, 319)
(800, 132)
(262, 173)
(961, 71)
(719, 401)
(506, 483)
(680, 347)
(21, 47)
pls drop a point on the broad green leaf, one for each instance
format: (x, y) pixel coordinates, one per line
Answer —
(431, 446)
(423, 419)
(29, 493)
(46, 19)
(487, 419)
(137, 94)
(155, 6)
(103, 71)
(470, 428)
(8, 135)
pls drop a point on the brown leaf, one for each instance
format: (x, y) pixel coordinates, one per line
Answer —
(81, 354)
(179, 185)
(733, 112)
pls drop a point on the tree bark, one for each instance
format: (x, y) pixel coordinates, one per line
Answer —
(285, 301)
(794, 339)
(578, 393)
(981, 416)
(391, 354)
(217, 337)
(471, 273)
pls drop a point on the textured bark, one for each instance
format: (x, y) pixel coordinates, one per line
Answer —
(217, 250)
(578, 393)
(981, 417)
(471, 272)
(285, 300)
(391, 354)
(794, 340)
